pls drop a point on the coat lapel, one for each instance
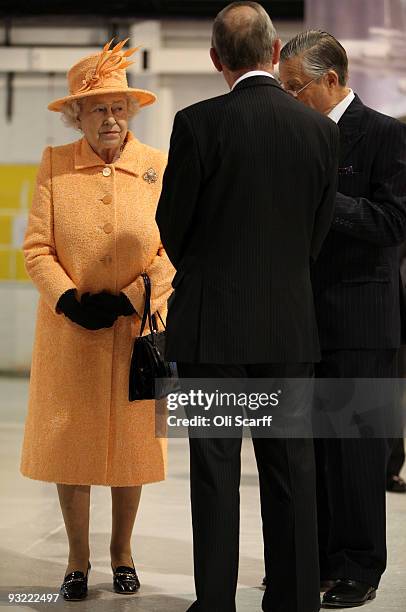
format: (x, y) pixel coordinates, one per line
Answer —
(352, 128)
(85, 157)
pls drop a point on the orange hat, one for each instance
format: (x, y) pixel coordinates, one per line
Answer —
(102, 73)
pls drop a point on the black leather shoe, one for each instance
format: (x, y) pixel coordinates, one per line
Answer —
(74, 586)
(125, 580)
(348, 594)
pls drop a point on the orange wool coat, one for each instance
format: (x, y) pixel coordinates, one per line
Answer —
(92, 227)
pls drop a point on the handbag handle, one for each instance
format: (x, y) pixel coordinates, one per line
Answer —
(147, 308)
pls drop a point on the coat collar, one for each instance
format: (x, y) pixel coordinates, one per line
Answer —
(85, 157)
(254, 81)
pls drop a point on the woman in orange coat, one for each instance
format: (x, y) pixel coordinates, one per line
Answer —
(92, 231)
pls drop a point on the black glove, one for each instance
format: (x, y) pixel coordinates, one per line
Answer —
(85, 315)
(118, 305)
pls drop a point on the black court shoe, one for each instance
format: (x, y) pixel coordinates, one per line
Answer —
(74, 586)
(125, 580)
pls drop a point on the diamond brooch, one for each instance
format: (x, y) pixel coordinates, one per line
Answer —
(150, 176)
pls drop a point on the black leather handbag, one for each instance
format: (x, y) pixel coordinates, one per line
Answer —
(147, 360)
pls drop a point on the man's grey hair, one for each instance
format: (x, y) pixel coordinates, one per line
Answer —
(243, 38)
(320, 52)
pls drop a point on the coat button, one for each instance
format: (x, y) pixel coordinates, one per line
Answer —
(106, 171)
(108, 228)
(107, 199)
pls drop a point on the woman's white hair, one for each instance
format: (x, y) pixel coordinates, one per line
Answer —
(71, 110)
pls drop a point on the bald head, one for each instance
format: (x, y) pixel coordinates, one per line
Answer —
(242, 16)
(244, 36)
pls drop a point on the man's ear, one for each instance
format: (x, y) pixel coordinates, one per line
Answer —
(332, 79)
(277, 46)
(216, 60)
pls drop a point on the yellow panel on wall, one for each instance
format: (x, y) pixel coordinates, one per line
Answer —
(21, 274)
(4, 265)
(6, 223)
(17, 183)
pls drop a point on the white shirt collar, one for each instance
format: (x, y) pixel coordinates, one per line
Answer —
(252, 73)
(338, 111)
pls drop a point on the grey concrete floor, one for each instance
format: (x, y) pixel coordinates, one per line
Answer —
(34, 547)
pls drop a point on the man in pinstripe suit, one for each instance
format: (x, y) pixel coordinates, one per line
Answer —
(356, 287)
(247, 201)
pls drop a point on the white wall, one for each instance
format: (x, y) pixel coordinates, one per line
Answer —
(17, 319)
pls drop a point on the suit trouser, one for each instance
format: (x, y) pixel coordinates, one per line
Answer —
(397, 455)
(396, 458)
(287, 491)
(351, 482)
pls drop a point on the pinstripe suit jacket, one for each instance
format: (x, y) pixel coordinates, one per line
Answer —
(356, 277)
(247, 200)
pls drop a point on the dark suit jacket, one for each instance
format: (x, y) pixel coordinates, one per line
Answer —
(356, 277)
(402, 297)
(247, 199)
